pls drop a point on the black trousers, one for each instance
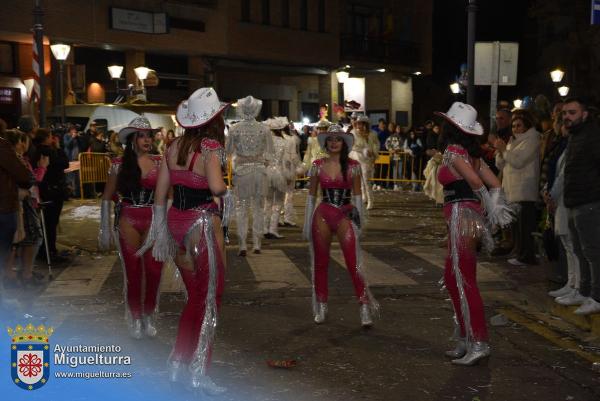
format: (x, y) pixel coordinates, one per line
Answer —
(525, 225)
(52, 213)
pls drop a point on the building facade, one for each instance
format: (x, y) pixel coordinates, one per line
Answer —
(286, 52)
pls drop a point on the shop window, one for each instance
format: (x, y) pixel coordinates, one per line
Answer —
(284, 108)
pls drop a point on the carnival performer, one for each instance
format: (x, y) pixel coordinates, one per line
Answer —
(131, 184)
(313, 149)
(190, 233)
(251, 144)
(365, 151)
(339, 214)
(467, 203)
(279, 174)
(293, 157)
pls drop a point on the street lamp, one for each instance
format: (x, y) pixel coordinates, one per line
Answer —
(563, 91)
(61, 52)
(455, 88)
(557, 75)
(115, 72)
(517, 103)
(342, 76)
(141, 73)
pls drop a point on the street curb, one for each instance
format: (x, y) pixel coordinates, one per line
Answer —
(589, 323)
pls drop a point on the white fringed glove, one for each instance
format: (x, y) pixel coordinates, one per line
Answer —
(228, 207)
(105, 238)
(494, 203)
(358, 204)
(159, 238)
(308, 214)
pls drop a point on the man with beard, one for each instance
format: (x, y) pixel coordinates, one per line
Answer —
(582, 197)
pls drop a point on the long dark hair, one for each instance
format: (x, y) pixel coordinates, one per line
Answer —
(192, 137)
(451, 135)
(343, 157)
(130, 174)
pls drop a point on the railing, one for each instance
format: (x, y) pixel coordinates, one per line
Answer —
(93, 168)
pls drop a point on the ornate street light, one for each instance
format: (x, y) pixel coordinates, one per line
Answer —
(455, 88)
(141, 73)
(517, 103)
(557, 75)
(342, 76)
(563, 91)
(61, 52)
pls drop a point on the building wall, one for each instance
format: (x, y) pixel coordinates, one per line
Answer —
(402, 99)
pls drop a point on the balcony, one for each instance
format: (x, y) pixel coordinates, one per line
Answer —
(379, 51)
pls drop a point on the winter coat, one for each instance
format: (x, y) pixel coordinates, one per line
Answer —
(520, 165)
(582, 165)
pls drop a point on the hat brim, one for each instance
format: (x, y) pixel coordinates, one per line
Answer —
(348, 138)
(125, 132)
(182, 116)
(477, 130)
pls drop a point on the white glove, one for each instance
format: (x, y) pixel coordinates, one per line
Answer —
(159, 238)
(497, 211)
(105, 232)
(308, 214)
(228, 207)
(358, 204)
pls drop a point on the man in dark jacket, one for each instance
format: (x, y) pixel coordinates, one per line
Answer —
(582, 197)
(13, 175)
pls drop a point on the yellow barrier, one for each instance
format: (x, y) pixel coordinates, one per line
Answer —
(93, 169)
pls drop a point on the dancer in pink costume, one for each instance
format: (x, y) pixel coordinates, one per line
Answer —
(467, 203)
(131, 184)
(339, 214)
(191, 232)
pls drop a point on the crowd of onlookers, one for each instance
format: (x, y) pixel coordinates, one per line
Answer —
(34, 185)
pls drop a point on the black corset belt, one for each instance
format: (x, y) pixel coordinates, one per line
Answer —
(185, 198)
(337, 196)
(140, 198)
(459, 191)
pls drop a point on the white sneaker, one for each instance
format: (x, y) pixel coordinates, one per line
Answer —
(572, 298)
(567, 289)
(516, 262)
(589, 306)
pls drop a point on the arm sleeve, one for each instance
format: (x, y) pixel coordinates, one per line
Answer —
(523, 153)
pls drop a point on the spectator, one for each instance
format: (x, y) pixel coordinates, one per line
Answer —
(582, 197)
(395, 145)
(159, 140)
(304, 135)
(169, 138)
(97, 144)
(520, 165)
(115, 147)
(569, 294)
(381, 170)
(13, 175)
(29, 233)
(414, 147)
(53, 188)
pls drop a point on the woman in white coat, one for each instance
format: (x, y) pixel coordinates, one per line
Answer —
(519, 161)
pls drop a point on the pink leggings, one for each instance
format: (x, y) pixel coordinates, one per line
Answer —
(135, 267)
(467, 263)
(196, 284)
(327, 221)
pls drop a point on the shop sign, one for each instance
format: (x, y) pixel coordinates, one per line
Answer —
(6, 96)
(138, 21)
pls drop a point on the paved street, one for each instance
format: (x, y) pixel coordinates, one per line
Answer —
(267, 315)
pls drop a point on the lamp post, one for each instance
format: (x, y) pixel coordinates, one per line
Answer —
(115, 72)
(455, 88)
(142, 73)
(557, 75)
(563, 91)
(472, 18)
(61, 52)
(517, 103)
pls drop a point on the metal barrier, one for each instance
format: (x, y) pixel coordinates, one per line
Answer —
(408, 169)
(93, 168)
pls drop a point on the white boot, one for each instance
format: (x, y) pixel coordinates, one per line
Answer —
(149, 326)
(321, 314)
(589, 307)
(478, 351)
(365, 316)
(135, 330)
(273, 228)
(571, 298)
(567, 289)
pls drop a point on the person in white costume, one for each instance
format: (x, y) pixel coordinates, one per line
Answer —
(279, 174)
(293, 146)
(251, 144)
(365, 151)
(313, 149)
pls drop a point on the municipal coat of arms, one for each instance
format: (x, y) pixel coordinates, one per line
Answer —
(30, 355)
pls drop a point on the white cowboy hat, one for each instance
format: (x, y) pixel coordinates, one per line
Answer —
(200, 108)
(137, 124)
(324, 123)
(248, 108)
(335, 130)
(363, 118)
(275, 123)
(464, 117)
